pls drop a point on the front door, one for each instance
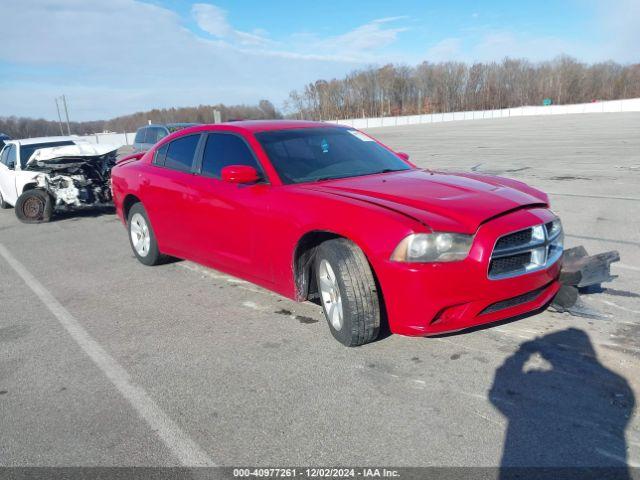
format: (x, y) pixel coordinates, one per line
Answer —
(228, 219)
(8, 162)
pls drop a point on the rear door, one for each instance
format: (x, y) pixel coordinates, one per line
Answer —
(8, 162)
(168, 194)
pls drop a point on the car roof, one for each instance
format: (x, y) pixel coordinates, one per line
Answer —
(31, 141)
(181, 124)
(269, 125)
(172, 124)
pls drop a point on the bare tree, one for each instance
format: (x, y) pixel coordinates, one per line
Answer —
(455, 86)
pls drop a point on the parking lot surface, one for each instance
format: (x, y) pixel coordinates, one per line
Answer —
(104, 361)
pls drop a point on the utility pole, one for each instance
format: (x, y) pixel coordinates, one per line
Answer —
(66, 112)
(59, 117)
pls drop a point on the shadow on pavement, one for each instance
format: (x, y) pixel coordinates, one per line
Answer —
(59, 216)
(564, 409)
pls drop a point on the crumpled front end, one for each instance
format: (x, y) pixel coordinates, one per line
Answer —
(434, 298)
(75, 178)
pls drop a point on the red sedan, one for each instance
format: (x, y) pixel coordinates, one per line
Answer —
(326, 213)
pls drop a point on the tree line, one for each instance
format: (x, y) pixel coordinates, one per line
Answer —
(21, 127)
(394, 90)
(455, 86)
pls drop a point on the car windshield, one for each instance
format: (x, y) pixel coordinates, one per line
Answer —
(27, 150)
(314, 154)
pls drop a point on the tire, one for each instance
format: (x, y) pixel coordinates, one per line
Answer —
(3, 204)
(142, 238)
(34, 206)
(353, 289)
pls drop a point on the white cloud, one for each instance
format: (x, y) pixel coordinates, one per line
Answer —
(447, 49)
(362, 40)
(117, 57)
(619, 23)
(213, 20)
(494, 45)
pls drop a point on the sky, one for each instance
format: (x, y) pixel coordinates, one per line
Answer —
(113, 57)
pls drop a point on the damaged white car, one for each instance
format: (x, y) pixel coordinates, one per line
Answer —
(42, 175)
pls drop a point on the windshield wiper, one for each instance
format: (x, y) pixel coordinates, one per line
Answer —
(331, 177)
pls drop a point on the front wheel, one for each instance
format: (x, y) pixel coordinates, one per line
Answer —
(141, 236)
(34, 206)
(348, 292)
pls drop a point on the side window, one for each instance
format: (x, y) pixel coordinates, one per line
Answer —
(4, 156)
(180, 153)
(154, 134)
(223, 150)
(161, 154)
(12, 156)
(161, 134)
(140, 135)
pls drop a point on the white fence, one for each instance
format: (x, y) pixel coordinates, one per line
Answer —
(110, 138)
(612, 106)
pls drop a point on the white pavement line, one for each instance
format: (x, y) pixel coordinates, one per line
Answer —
(613, 304)
(183, 447)
(625, 266)
(608, 197)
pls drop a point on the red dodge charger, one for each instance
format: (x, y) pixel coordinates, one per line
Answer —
(326, 213)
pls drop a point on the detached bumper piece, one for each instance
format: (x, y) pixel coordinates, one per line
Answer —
(579, 271)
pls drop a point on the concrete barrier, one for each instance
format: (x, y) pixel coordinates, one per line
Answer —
(611, 106)
(110, 138)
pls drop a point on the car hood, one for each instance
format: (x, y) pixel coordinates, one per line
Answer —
(458, 202)
(52, 155)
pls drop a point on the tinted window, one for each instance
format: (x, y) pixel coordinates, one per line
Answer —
(180, 153)
(223, 150)
(4, 156)
(27, 150)
(12, 156)
(140, 135)
(155, 134)
(323, 153)
(161, 153)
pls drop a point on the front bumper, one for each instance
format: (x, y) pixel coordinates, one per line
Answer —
(428, 299)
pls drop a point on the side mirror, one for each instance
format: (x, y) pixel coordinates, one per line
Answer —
(404, 156)
(239, 174)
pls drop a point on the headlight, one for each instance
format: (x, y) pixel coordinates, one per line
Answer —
(433, 247)
(554, 228)
(556, 237)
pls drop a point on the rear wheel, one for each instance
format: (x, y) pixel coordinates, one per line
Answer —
(141, 236)
(3, 204)
(348, 292)
(34, 206)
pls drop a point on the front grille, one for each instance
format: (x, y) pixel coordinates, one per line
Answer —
(515, 239)
(525, 251)
(512, 263)
(513, 302)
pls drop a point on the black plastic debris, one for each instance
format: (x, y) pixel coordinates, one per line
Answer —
(580, 269)
(579, 272)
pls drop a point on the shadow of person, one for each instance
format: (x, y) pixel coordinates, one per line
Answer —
(564, 409)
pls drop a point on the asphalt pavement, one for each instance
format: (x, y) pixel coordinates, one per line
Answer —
(104, 361)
